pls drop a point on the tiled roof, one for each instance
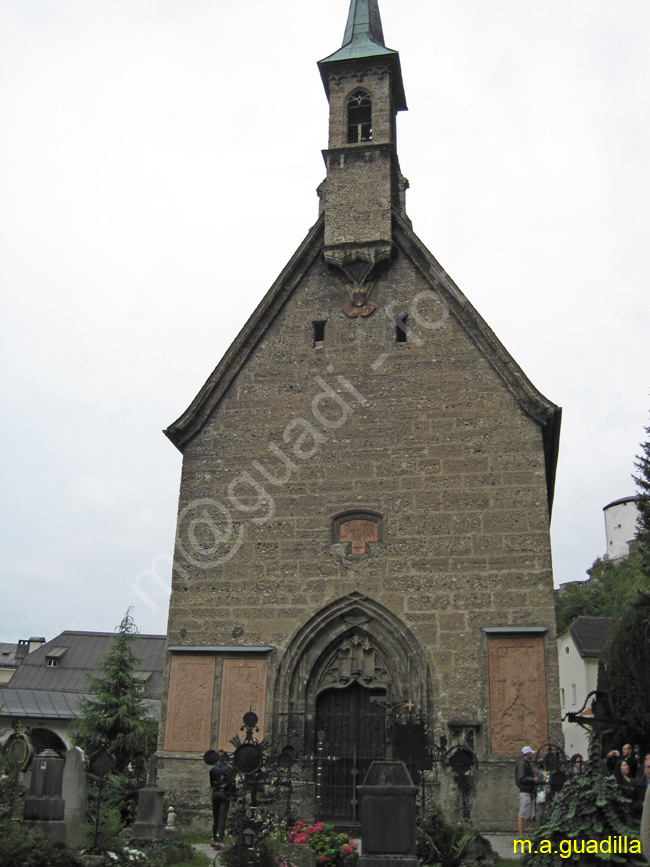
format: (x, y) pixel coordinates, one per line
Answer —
(590, 634)
(77, 655)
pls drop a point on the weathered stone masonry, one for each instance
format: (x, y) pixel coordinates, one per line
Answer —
(439, 441)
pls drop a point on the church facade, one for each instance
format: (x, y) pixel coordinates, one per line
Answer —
(363, 527)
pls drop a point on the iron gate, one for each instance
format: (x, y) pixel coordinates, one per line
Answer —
(354, 736)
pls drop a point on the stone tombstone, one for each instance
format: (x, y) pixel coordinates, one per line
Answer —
(388, 816)
(44, 807)
(149, 823)
(75, 796)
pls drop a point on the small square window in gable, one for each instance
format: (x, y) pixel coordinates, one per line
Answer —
(401, 329)
(357, 530)
(319, 334)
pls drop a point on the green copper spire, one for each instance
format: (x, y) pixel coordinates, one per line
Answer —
(364, 23)
(363, 34)
(364, 39)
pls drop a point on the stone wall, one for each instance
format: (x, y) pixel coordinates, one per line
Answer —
(426, 434)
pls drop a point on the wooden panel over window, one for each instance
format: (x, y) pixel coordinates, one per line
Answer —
(518, 701)
(243, 688)
(189, 708)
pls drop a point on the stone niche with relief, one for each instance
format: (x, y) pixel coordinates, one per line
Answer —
(355, 658)
(357, 530)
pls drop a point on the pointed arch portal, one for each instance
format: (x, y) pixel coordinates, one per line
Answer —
(352, 651)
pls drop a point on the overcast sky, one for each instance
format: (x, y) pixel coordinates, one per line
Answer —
(144, 148)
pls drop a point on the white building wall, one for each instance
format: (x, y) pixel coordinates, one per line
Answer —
(621, 521)
(578, 678)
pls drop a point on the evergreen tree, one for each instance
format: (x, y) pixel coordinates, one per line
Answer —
(642, 480)
(116, 714)
(624, 672)
(584, 822)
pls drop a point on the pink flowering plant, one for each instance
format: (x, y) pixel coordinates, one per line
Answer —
(332, 848)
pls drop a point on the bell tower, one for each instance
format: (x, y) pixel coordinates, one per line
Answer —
(363, 83)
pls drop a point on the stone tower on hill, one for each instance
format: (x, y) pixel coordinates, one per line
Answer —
(363, 528)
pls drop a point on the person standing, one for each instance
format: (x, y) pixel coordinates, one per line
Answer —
(627, 754)
(645, 825)
(222, 788)
(641, 785)
(525, 781)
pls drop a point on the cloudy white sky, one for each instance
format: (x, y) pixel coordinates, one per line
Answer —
(158, 166)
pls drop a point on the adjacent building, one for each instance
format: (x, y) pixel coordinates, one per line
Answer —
(621, 526)
(49, 680)
(579, 648)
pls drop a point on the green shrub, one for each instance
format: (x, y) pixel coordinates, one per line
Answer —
(444, 843)
(590, 807)
(21, 846)
(102, 833)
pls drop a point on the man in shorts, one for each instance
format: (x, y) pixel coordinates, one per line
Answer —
(525, 780)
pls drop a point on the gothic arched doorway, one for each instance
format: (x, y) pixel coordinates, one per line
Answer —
(349, 652)
(353, 732)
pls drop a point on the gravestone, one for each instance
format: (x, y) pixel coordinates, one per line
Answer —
(44, 807)
(74, 795)
(149, 824)
(388, 817)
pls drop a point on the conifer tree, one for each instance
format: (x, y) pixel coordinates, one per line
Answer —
(642, 480)
(624, 672)
(116, 715)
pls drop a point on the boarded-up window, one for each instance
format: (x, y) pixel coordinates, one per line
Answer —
(189, 707)
(518, 704)
(243, 688)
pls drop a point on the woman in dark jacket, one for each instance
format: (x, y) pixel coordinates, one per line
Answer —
(625, 779)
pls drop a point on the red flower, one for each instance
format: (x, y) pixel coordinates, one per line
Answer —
(321, 859)
(346, 850)
(300, 838)
(318, 827)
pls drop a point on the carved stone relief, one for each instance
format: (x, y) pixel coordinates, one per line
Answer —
(355, 658)
(359, 75)
(243, 688)
(357, 533)
(189, 708)
(357, 530)
(518, 702)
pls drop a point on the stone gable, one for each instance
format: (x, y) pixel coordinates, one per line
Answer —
(364, 505)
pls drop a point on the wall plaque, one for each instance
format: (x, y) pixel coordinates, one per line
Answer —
(518, 703)
(357, 532)
(189, 707)
(243, 688)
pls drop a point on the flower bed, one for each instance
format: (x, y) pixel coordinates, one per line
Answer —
(332, 848)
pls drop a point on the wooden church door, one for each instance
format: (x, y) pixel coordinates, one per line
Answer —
(354, 728)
